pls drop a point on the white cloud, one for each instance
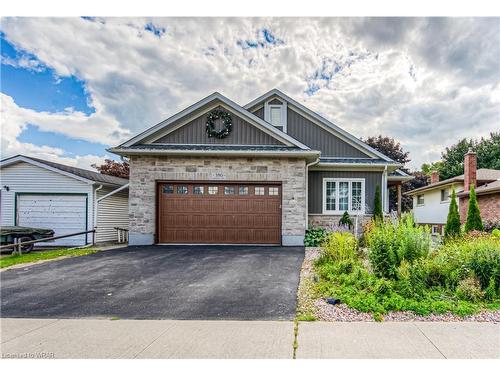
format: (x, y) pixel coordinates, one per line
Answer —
(414, 79)
(70, 123)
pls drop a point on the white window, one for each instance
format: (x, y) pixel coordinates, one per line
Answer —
(198, 190)
(356, 196)
(331, 195)
(229, 190)
(275, 113)
(343, 194)
(259, 190)
(243, 190)
(182, 189)
(273, 191)
(213, 190)
(445, 195)
(420, 200)
(276, 116)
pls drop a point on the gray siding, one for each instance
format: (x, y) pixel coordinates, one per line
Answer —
(317, 138)
(315, 187)
(276, 102)
(259, 113)
(243, 133)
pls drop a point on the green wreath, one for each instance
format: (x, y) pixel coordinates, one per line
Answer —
(227, 121)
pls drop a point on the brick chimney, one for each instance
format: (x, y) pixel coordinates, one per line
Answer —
(434, 177)
(470, 169)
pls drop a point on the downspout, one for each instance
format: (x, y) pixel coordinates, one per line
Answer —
(384, 190)
(95, 208)
(307, 189)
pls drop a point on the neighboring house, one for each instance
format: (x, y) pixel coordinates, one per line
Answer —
(488, 192)
(267, 171)
(431, 203)
(44, 194)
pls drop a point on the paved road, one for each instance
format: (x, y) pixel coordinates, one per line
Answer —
(158, 282)
(89, 338)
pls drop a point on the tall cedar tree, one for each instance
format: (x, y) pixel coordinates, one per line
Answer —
(474, 221)
(377, 205)
(390, 147)
(113, 168)
(452, 228)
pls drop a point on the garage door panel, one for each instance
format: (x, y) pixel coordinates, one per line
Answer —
(242, 217)
(65, 214)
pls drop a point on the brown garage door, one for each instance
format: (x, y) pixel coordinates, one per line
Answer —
(247, 213)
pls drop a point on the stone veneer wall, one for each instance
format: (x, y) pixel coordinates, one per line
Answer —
(146, 170)
(325, 221)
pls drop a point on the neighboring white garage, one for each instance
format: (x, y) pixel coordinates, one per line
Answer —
(43, 194)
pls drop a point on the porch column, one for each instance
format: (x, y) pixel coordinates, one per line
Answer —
(399, 199)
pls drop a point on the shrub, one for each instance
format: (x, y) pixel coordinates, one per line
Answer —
(340, 246)
(314, 237)
(469, 289)
(473, 215)
(390, 243)
(452, 228)
(496, 233)
(411, 279)
(491, 224)
(381, 252)
(411, 242)
(377, 205)
(485, 262)
(458, 259)
(491, 291)
(346, 220)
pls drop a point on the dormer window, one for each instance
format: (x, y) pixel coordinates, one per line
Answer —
(275, 113)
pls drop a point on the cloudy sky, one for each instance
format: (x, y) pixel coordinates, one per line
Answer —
(71, 87)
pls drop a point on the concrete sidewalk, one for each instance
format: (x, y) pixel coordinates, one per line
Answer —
(398, 340)
(94, 338)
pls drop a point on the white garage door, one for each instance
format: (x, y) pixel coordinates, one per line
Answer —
(64, 214)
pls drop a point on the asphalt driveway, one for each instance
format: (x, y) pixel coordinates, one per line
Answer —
(159, 282)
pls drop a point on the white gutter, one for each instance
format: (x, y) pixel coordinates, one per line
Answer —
(113, 192)
(307, 189)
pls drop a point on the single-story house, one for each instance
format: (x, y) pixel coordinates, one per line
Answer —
(431, 203)
(43, 194)
(217, 172)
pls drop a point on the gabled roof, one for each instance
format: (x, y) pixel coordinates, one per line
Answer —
(482, 175)
(330, 126)
(78, 173)
(263, 125)
(488, 188)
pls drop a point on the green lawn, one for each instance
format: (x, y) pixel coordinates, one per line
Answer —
(10, 260)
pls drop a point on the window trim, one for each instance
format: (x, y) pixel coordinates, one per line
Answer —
(441, 196)
(423, 197)
(267, 113)
(349, 210)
